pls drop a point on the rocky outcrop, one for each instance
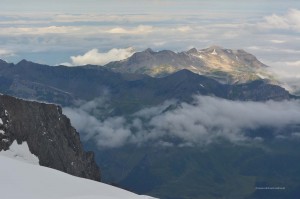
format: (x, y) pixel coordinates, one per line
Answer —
(49, 135)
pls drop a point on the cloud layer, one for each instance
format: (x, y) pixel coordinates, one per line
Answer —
(269, 31)
(33, 33)
(289, 21)
(205, 121)
(97, 58)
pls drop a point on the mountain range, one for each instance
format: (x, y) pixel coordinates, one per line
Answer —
(149, 86)
(66, 85)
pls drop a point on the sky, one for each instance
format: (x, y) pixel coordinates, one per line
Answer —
(60, 31)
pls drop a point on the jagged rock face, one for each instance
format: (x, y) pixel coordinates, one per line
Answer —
(48, 134)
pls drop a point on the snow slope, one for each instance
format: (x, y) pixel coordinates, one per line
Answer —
(21, 180)
(20, 152)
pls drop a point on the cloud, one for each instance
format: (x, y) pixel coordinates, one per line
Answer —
(288, 73)
(276, 41)
(289, 21)
(287, 69)
(49, 35)
(141, 29)
(205, 121)
(39, 30)
(6, 53)
(97, 58)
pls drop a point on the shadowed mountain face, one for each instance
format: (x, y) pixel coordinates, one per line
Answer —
(49, 136)
(224, 65)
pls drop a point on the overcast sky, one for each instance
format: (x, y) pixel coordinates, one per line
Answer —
(56, 31)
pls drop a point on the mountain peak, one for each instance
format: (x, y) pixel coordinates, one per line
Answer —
(149, 50)
(214, 49)
(225, 65)
(2, 61)
(192, 51)
(23, 61)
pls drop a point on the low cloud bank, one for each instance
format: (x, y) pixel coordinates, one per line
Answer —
(101, 58)
(288, 73)
(205, 121)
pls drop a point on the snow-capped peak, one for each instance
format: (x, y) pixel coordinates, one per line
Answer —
(214, 52)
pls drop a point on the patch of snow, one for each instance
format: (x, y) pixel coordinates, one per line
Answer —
(261, 76)
(214, 52)
(20, 152)
(201, 57)
(201, 85)
(4, 140)
(193, 67)
(2, 132)
(237, 58)
(1, 121)
(27, 178)
(44, 133)
(6, 113)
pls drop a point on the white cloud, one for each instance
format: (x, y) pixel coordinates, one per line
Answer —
(97, 58)
(184, 29)
(6, 53)
(34, 34)
(205, 121)
(289, 69)
(289, 21)
(142, 29)
(275, 41)
(288, 73)
(39, 30)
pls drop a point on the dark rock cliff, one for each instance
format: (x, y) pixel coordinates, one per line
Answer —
(49, 136)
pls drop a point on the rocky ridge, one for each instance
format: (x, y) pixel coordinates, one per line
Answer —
(49, 136)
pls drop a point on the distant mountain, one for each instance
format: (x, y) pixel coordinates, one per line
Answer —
(48, 134)
(224, 65)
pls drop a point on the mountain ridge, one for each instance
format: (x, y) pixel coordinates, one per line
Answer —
(64, 85)
(224, 65)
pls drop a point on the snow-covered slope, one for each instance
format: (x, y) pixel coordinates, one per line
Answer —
(20, 152)
(20, 180)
